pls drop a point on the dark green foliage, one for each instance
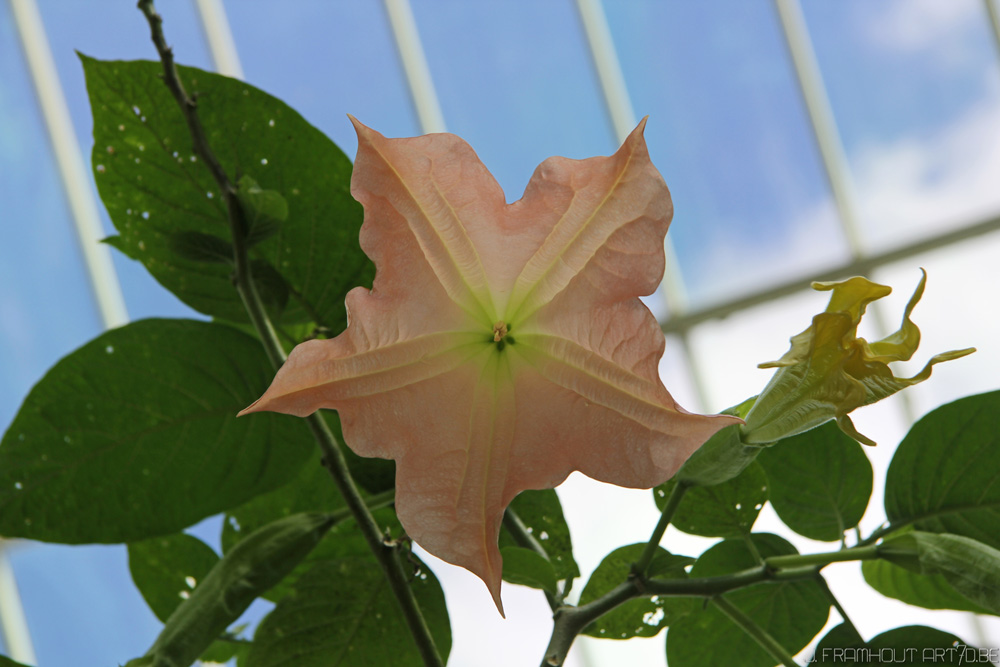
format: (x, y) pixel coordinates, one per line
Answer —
(970, 567)
(7, 662)
(820, 482)
(541, 513)
(791, 612)
(342, 612)
(154, 188)
(166, 569)
(135, 435)
(727, 509)
(930, 591)
(528, 568)
(723, 456)
(641, 617)
(251, 568)
(943, 477)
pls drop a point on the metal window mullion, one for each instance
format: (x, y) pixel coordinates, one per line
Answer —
(821, 118)
(831, 147)
(13, 625)
(994, 13)
(418, 73)
(609, 72)
(219, 36)
(71, 164)
(619, 104)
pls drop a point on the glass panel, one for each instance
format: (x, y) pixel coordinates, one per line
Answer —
(958, 310)
(729, 131)
(915, 88)
(515, 80)
(116, 31)
(81, 606)
(332, 58)
(46, 306)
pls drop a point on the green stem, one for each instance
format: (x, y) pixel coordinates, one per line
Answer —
(373, 502)
(673, 501)
(821, 559)
(570, 621)
(512, 522)
(333, 458)
(752, 548)
(759, 634)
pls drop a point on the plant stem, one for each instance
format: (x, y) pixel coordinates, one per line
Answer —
(512, 522)
(759, 634)
(570, 621)
(673, 501)
(372, 502)
(333, 458)
(821, 559)
(751, 547)
(821, 580)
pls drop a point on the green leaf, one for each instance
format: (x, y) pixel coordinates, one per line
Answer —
(723, 456)
(970, 567)
(839, 482)
(641, 617)
(166, 569)
(7, 662)
(343, 614)
(910, 646)
(311, 490)
(793, 612)
(195, 247)
(542, 514)
(371, 474)
(930, 591)
(224, 650)
(727, 509)
(153, 187)
(265, 210)
(528, 568)
(251, 568)
(135, 435)
(943, 479)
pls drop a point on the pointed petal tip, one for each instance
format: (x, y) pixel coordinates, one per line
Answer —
(253, 407)
(362, 130)
(495, 592)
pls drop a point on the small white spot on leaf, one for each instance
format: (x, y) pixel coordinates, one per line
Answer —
(653, 617)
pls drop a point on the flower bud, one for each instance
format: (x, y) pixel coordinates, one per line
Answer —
(829, 371)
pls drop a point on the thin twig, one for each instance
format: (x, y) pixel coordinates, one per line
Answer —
(759, 634)
(673, 501)
(570, 621)
(333, 457)
(512, 522)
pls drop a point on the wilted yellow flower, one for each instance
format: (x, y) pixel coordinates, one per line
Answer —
(829, 371)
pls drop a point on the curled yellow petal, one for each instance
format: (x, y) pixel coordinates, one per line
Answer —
(829, 371)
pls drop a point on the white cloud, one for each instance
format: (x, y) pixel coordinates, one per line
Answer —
(918, 25)
(914, 186)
